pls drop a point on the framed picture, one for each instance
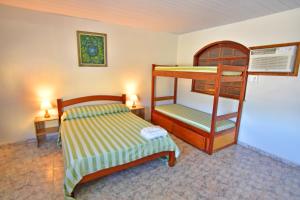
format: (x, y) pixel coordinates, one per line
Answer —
(91, 49)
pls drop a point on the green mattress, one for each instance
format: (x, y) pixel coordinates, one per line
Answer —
(205, 69)
(193, 117)
(94, 139)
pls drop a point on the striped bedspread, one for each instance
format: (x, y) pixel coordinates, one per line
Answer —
(96, 142)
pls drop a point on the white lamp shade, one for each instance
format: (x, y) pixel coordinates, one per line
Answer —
(133, 97)
(45, 105)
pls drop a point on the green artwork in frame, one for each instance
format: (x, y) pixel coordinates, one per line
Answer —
(91, 49)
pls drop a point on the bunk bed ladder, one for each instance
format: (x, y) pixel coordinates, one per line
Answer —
(215, 109)
(241, 102)
(236, 115)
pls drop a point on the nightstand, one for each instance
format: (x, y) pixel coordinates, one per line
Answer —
(41, 129)
(138, 111)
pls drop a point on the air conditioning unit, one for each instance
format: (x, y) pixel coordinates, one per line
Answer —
(277, 59)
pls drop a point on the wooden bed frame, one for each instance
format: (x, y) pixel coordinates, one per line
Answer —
(208, 142)
(61, 104)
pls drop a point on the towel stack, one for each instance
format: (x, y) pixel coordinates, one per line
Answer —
(153, 132)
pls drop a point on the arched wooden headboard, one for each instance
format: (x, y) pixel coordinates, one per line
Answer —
(221, 52)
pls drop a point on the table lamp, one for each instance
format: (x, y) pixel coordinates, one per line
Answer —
(46, 105)
(133, 98)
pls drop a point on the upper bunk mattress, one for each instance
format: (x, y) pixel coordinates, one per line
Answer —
(204, 69)
(193, 117)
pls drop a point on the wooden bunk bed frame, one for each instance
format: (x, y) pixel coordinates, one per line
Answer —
(208, 142)
(61, 104)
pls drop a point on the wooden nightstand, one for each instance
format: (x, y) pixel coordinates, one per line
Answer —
(41, 129)
(138, 111)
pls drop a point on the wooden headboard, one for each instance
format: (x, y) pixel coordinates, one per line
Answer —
(64, 103)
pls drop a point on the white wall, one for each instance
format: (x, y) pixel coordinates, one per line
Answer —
(38, 57)
(271, 112)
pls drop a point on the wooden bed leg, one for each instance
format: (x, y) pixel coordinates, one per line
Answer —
(210, 152)
(172, 159)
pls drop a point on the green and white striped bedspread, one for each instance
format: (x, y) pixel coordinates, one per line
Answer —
(103, 141)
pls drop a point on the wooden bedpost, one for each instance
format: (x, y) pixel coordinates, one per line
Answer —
(215, 110)
(153, 89)
(59, 109)
(172, 159)
(175, 90)
(124, 98)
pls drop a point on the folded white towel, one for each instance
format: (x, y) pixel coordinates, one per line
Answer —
(153, 132)
(152, 128)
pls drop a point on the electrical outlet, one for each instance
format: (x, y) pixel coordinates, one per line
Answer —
(253, 79)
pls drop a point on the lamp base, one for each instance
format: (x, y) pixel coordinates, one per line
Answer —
(133, 105)
(47, 115)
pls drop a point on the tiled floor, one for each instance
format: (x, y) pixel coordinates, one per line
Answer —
(28, 172)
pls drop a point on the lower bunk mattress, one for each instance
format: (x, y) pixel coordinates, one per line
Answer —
(196, 118)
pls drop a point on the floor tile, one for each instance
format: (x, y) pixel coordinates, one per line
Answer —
(28, 172)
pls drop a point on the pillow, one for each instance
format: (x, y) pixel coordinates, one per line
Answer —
(93, 110)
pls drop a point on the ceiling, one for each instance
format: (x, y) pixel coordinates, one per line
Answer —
(176, 16)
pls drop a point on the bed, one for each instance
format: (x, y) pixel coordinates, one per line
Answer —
(208, 132)
(98, 140)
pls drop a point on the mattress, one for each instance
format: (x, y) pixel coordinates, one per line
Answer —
(94, 139)
(199, 119)
(204, 69)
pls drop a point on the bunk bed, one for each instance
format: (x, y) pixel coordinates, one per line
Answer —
(208, 132)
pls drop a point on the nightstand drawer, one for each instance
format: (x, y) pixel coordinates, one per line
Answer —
(44, 131)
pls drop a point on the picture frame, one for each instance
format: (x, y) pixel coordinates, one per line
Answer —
(92, 49)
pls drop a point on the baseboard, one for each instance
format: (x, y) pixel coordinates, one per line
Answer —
(273, 156)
